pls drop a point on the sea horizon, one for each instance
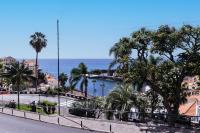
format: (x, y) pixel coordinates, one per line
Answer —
(65, 58)
(50, 65)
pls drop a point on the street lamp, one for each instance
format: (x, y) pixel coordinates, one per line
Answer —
(2, 99)
(102, 88)
(58, 48)
(94, 88)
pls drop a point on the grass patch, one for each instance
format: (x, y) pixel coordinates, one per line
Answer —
(24, 107)
(28, 108)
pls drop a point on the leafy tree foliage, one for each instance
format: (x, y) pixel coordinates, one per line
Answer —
(79, 75)
(38, 42)
(121, 99)
(164, 58)
(18, 73)
(63, 80)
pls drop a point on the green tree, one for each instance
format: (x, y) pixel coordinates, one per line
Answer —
(121, 51)
(179, 50)
(63, 80)
(41, 77)
(18, 73)
(140, 41)
(165, 41)
(182, 49)
(38, 42)
(152, 66)
(137, 73)
(121, 99)
(72, 85)
(79, 75)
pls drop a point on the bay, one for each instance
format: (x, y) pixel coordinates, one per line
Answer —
(66, 65)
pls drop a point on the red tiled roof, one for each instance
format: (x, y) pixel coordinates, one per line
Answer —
(188, 109)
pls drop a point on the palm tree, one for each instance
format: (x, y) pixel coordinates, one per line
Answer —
(72, 85)
(41, 77)
(80, 75)
(121, 52)
(18, 73)
(121, 99)
(38, 42)
(63, 79)
(140, 41)
(144, 73)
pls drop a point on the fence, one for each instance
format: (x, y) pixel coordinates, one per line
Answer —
(44, 118)
(56, 119)
(82, 123)
(135, 117)
(103, 124)
(111, 115)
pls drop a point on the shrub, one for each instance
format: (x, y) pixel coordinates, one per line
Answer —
(82, 112)
(183, 120)
(91, 108)
(48, 107)
(51, 92)
(11, 104)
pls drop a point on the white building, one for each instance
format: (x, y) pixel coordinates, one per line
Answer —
(7, 60)
(30, 64)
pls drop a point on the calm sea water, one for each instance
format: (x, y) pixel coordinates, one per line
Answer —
(66, 65)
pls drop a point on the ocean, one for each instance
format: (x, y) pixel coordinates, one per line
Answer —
(66, 65)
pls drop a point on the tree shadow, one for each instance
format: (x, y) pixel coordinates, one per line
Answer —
(158, 128)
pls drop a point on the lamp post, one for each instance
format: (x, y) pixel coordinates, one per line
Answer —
(2, 99)
(102, 88)
(58, 48)
(94, 87)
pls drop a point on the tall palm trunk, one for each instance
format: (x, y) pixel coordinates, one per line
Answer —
(36, 71)
(86, 86)
(86, 89)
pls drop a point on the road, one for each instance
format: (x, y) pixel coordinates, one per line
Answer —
(11, 124)
(28, 98)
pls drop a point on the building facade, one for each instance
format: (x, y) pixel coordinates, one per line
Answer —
(7, 60)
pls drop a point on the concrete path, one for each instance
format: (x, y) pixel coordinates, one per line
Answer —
(93, 124)
(89, 124)
(11, 124)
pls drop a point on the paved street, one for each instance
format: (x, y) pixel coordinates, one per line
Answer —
(27, 99)
(11, 124)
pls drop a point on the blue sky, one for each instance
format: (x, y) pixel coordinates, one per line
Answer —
(88, 28)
